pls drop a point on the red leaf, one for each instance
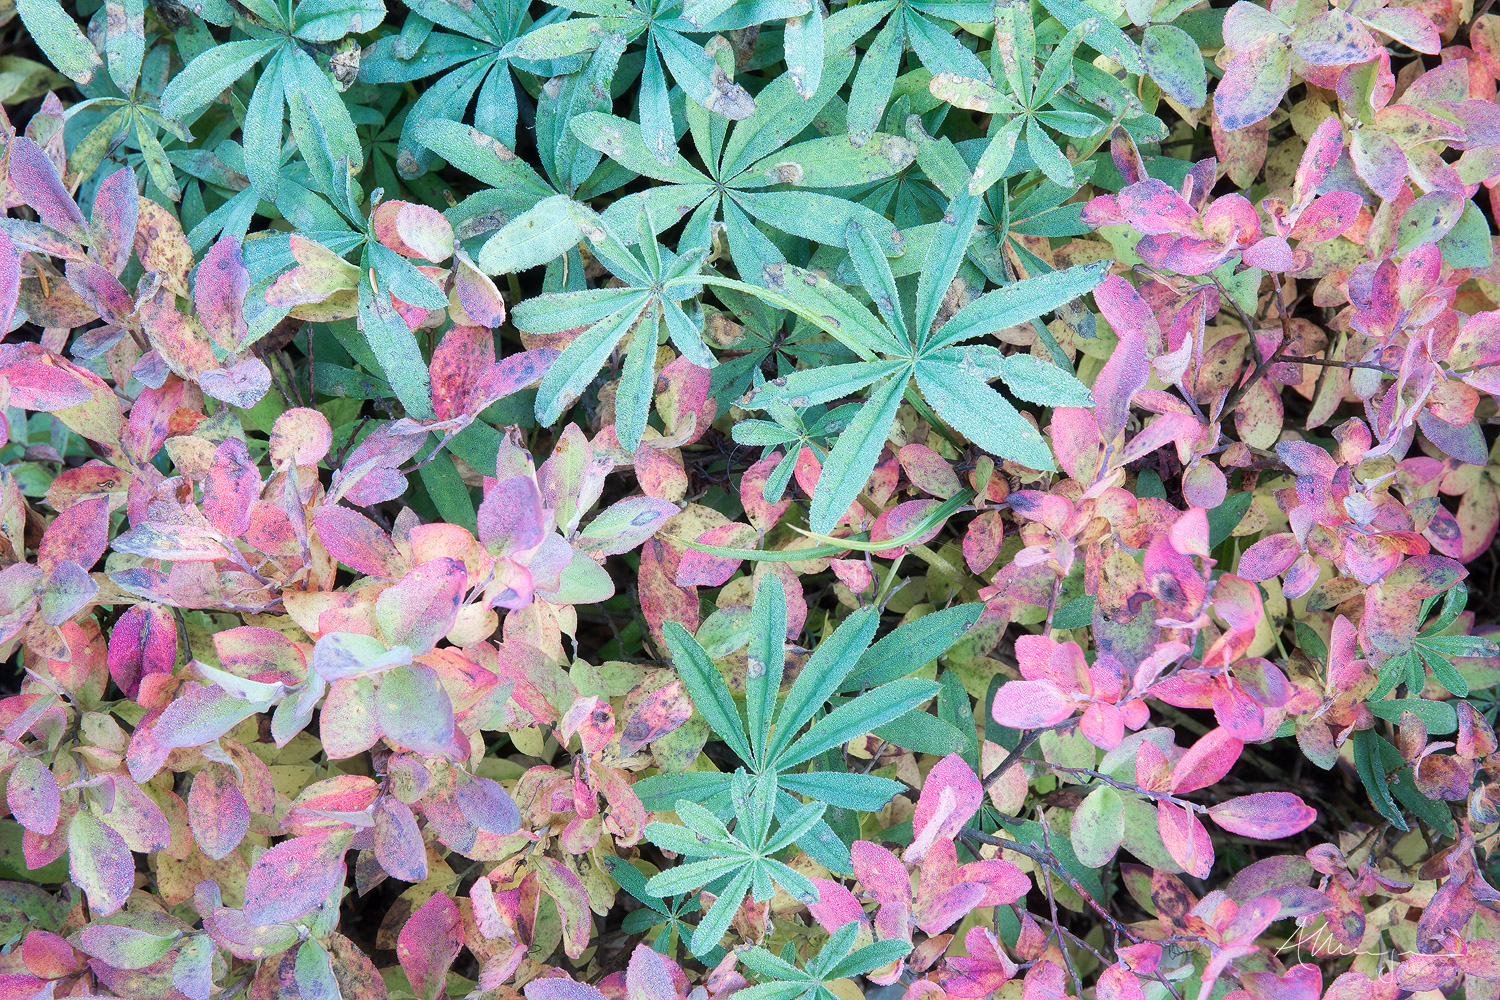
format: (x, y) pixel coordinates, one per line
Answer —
(510, 375)
(662, 600)
(760, 513)
(457, 362)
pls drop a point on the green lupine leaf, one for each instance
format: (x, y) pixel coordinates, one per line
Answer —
(59, 37)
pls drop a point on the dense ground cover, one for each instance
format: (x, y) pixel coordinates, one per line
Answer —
(691, 499)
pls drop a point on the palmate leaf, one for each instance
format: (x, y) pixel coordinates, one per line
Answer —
(1433, 650)
(292, 85)
(756, 178)
(953, 379)
(745, 857)
(838, 959)
(665, 28)
(773, 741)
(1034, 100)
(467, 55)
(654, 283)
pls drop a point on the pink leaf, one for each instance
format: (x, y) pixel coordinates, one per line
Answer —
(477, 294)
(428, 943)
(1003, 882)
(34, 177)
(294, 878)
(219, 292)
(1155, 209)
(762, 514)
(143, 641)
(649, 975)
(950, 796)
(357, 542)
(99, 863)
(1321, 156)
(929, 471)
(33, 796)
(1030, 705)
(241, 384)
(423, 606)
(836, 906)
(116, 210)
(413, 230)
(560, 988)
(662, 712)
(79, 534)
(1185, 839)
(1128, 369)
(1264, 815)
(10, 282)
(217, 811)
(1206, 761)
(704, 569)
(300, 436)
(1329, 216)
(511, 519)
(485, 803)
(232, 485)
(1269, 557)
(982, 540)
(662, 598)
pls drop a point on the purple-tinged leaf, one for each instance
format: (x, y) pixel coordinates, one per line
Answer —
(99, 863)
(294, 878)
(34, 177)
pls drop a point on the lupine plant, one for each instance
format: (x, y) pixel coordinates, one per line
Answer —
(749, 500)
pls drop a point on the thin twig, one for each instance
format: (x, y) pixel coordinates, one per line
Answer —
(1370, 365)
(1028, 737)
(1062, 945)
